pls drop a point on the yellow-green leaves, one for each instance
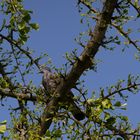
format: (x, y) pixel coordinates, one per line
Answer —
(111, 121)
(106, 104)
(34, 26)
(3, 126)
(101, 103)
(19, 20)
(117, 104)
(3, 83)
(90, 101)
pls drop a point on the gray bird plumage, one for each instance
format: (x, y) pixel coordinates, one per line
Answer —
(50, 81)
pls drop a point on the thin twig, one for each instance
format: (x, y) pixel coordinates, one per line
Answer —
(22, 50)
(126, 36)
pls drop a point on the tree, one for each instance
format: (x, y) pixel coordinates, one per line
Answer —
(49, 116)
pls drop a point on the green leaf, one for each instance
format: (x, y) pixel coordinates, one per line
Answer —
(35, 26)
(48, 133)
(106, 104)
(21, 25)
(3, 122)
(119, 139)
(129, 81)
(27, 17)
(90, 101)
(107, 116)
(124, 118)
(58, 133)
(118, 104)
(2, 128)
(4, 83)
(26, 29)
(111, 121)
(12, 20)
(123, 108)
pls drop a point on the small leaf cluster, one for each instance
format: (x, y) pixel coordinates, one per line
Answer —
(3, 126)
(19, 20)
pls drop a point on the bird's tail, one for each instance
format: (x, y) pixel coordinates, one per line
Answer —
(72, 107)
(76, 111)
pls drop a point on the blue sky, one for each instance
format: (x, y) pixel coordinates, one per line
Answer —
(59, 24)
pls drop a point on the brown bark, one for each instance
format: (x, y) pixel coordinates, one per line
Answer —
(84, 62)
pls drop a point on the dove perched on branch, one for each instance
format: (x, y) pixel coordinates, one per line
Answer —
(50, 81)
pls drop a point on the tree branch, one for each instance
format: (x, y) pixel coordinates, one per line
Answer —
(122, 89)
(137, 8)
(13, 42)
(126, 36)
(7, 92)
(84, 62)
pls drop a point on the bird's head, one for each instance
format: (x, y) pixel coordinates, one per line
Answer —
(43, 69)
